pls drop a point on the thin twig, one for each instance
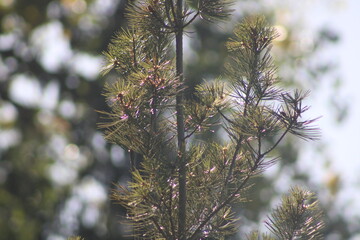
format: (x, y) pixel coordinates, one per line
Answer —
(278, 141)
(225, 117)
(192, 19)
(192, 132)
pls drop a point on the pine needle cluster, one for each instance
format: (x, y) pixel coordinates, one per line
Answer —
(184, 188)
(298, 216)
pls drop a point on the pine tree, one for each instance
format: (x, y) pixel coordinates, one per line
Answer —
(184, 188)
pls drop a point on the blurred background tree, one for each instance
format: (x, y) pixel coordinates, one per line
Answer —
(56, 171)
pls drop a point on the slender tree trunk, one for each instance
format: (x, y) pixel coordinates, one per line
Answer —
(180, 124)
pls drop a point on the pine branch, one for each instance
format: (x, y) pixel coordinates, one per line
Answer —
(257, 236)
(298, 217)
(124, 52)
(253, 37)
(185, 191)
(214, 10)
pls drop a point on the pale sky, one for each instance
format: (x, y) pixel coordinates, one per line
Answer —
(342, 140)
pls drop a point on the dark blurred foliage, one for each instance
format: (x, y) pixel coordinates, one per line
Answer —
(56, 171)
(44, 141)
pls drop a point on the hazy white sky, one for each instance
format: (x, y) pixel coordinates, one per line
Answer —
(341, 140)
(343, 17)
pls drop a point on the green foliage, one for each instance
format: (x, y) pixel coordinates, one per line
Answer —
(153, 16)
(128, 50)
(212, 10)
(75, 238)
(146, 111)
(298, 216)
(257, 236)
(251, 67)
(136, 102)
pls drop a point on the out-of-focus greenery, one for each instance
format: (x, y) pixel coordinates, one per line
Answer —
(56, 171)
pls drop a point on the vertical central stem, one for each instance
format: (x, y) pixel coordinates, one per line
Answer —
(180, 123)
